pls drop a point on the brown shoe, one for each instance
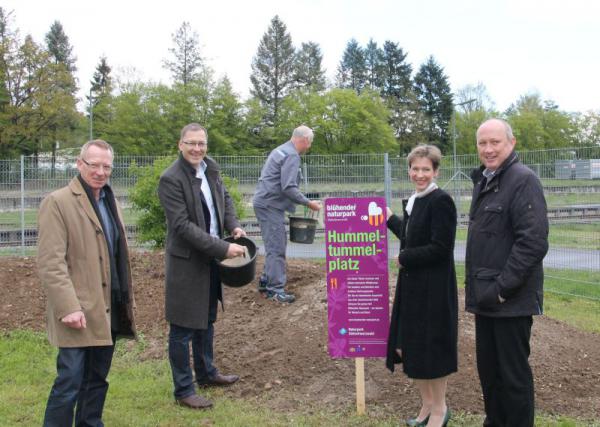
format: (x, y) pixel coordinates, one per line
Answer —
(219, 380)
(194, 401)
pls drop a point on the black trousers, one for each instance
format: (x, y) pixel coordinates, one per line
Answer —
(502, 345)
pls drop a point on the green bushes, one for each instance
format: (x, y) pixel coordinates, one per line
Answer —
(151, 223)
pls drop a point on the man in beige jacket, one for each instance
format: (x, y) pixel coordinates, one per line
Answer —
(83, 264)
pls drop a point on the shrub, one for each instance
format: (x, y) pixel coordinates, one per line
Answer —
(151, 223)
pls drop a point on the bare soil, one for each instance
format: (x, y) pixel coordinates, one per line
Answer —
(280, 351)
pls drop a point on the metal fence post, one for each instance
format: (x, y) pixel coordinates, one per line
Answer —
(22, 204)
(387, 179)
(305, 176)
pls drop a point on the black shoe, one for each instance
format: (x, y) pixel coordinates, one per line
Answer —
(446, 417)
(413, 422)
(262, 286)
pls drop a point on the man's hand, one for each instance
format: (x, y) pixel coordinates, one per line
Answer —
(75, 320)
(314, 205)
(235, 250)
(238, 232)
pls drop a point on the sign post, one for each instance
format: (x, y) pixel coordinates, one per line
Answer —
(357, 282)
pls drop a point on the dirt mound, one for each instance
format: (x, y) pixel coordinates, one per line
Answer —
(280, 351)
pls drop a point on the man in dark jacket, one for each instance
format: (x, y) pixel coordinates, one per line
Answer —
(198, 209)
(507, 241)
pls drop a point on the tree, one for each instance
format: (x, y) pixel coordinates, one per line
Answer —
(435, 100)
(38, 111)
(186, 64)
(395, 72)
(588, 128)
(59, 48)
(374, 66)
(101, 96)
(307, 67)
(225, 123)
(60, 52)
(102, 80)
(352, 71)
(343, 121)
(396, 88)
(471, 98)
(273, 69)
(540, 124)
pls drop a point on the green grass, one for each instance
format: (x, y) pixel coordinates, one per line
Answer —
(575, 236)
(14, 217)
(140, 395)
(561, 302)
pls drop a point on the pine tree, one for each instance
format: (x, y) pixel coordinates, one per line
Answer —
(352, 71)
(436, 102)
(273, 69)
(396, 88)
(396, 72)
(100, 91)
(61, 52)
(59, 48)
(102, 81)
(374, 66)
(187, 63)
(308, 71)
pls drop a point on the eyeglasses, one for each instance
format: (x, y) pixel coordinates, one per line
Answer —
(195, 144)
(97, 166)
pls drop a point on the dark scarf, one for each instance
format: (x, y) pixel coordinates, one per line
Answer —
(118, 261)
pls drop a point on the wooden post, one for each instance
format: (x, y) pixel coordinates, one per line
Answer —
(360, 385)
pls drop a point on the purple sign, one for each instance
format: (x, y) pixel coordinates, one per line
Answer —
(357, 276)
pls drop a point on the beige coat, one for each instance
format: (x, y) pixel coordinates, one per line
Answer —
(74, 268)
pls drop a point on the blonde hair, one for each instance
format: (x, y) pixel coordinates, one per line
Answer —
(430, 152)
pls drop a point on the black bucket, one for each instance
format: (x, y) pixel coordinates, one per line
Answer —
(302, 230)
(239, 271)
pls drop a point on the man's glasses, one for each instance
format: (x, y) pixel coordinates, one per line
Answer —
(196, 144)
(97, 166)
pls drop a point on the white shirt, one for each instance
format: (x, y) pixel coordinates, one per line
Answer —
(208, 197)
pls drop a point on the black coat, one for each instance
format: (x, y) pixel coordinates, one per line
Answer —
(506, 242)
(189, 248)
(424, 321)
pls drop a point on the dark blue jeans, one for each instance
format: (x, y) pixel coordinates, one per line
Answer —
(179, 357)
(202, 346)
(80, 382)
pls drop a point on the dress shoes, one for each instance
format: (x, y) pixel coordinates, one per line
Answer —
(219, 380)
(413, 422)
(195, 402)
(446, 417)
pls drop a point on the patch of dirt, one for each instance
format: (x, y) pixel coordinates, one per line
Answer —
(280, 351)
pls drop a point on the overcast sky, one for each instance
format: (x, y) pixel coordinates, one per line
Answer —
(513, 47)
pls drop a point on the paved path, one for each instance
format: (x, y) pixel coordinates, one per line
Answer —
(575, 259)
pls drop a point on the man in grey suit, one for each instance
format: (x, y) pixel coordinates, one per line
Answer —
(277, 192)
(198, 210)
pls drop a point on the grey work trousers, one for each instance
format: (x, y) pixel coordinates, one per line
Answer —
(272, 229)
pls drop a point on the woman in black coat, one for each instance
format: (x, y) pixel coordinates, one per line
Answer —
(423, 329)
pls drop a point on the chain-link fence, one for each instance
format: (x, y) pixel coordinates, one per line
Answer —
(571, 179)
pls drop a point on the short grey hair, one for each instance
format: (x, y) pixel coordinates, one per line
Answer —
(97, 143)
(192, 127)
(426, 151)
(303, 131)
